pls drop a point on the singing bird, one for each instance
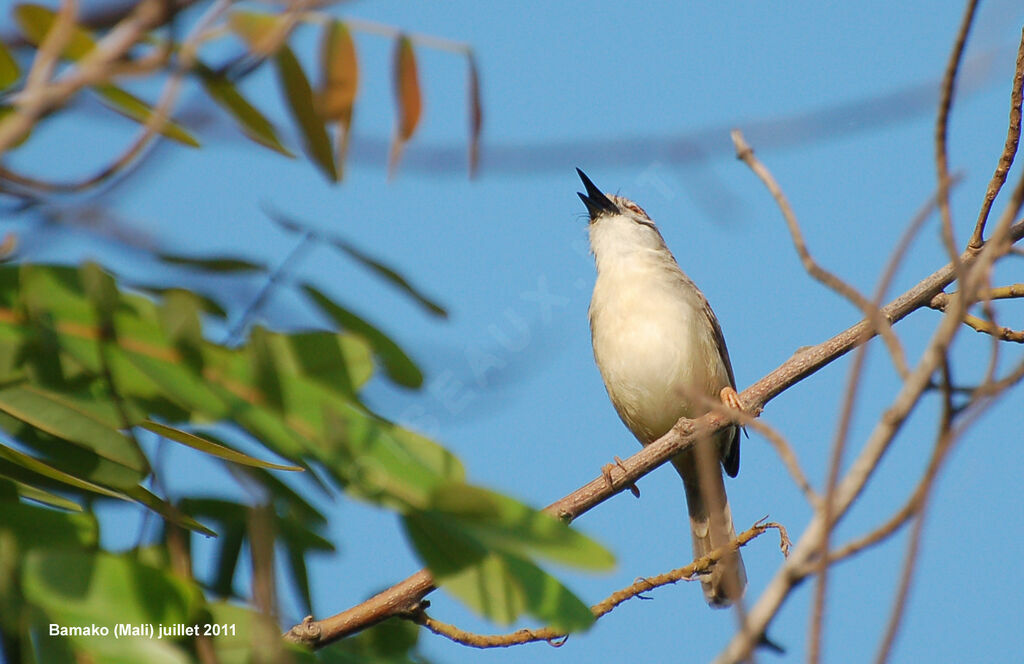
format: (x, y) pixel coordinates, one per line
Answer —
(662, 355)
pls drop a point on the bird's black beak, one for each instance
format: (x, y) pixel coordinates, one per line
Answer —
(596, 202)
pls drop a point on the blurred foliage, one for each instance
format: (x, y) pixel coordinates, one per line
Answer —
(318, 112)
(98, 375)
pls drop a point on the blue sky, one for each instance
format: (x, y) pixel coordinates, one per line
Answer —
(837, 100)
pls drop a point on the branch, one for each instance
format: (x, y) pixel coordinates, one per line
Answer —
(977, 265)
(942, 127)
(645, 584)
(745, 153)
(405, 595)
(942, 301)
(1009, 150)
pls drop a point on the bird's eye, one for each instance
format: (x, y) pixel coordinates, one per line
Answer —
(636, 208)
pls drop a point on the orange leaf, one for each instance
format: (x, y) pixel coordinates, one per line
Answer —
(407, 91)
(340, 70)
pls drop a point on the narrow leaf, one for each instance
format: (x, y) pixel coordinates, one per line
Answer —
(212, 263)
(35, 21)
(252, 123)
(504, 524)
(498, 586)
(260, 32)
(49, 413)
(389, 274)
(168, 511)
(86, 587)
(340, 71)
(30, 492)
(33, 464)
(407, 97)
(340, 68)
(9, 71)
(475, 114)
(399, 367)
(299, 96)
(37, 527)
(134, 108)
(377, 267)
(209, 447)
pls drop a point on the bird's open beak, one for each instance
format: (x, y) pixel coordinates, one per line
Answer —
(596, 202)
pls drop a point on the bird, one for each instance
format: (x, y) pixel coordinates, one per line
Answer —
(662, 355)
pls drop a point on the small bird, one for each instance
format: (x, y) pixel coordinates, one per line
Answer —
(660, 349)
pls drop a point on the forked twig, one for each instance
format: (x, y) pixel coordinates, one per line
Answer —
(745, 153)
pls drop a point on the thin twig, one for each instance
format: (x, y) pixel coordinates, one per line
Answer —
(1009, 150)
(878, 441)
(644, 584)
(268, 286)
(777, 440)
(942, 129)
(745, 153)
(406, 594)
(942, 302)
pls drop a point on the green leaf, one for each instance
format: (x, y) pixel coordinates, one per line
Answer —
(299, 97)
(29, 492)
(39, 527)
(207, 305)
(20, 460)
(380, 462)
(229, 548)
(266, 376)
(260, 32)
(502, 523)
(252, 123)
(212, 264)
(391, 641)
(167, 511)
(209, 447)
(389, 274)
(377, 267)
(340, 362)
(499, 586)
(132, 107)
(476, 116)
(399, 367)
(100, 289)
(35, 22)
(256, 638)
(50, 413)
(86, 588)
(9, 71)
(179, 319)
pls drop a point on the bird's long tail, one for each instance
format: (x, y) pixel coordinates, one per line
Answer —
(711, 522)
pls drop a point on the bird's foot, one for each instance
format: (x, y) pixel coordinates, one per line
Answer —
(606, 472)
(730, 398)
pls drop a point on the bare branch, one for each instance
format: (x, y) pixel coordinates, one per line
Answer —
(690, 572)
(745, 153)
(942, 301)
(941, 130)
(880, 438)
(1009, 150)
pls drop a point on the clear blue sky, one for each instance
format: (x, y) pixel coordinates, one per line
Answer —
(837, 100)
